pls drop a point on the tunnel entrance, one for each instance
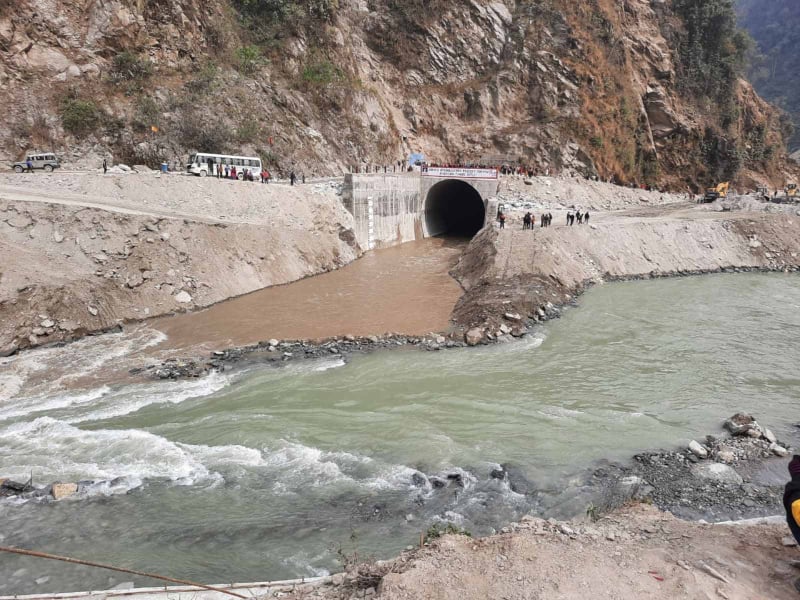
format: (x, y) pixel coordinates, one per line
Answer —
(454, 207)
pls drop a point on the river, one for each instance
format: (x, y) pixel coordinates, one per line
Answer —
(267, 473)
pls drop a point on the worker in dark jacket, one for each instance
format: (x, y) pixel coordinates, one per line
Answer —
(791, 502)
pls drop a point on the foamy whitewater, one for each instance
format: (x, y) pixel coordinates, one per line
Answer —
(266, 473)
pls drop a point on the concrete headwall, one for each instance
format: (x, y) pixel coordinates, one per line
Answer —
(387, 208)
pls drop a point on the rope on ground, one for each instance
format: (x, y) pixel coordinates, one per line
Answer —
(88, 563)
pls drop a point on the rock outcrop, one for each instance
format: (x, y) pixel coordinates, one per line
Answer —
(561, 86)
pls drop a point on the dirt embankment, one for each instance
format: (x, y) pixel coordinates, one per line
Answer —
(82, 253)
(636, 552)
(515, 273)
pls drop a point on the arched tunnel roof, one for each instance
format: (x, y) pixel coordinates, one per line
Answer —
(454, 207)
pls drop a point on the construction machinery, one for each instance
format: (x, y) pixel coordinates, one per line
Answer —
(791, 191)
(717, 193)
(762, 193)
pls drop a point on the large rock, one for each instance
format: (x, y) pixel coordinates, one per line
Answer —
(698, 450)
(41, 58)
(183, 298)
(742, 424)
(474, 336)
(60, 491)
(718, 472)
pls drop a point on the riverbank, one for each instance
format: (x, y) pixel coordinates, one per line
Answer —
(85, 253)
(635, 552)
(513, 276)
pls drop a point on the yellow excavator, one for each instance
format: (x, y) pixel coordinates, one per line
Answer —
(791, 191)
(715, 193)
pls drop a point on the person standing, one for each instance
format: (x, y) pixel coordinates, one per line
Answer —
(105, 166)
(791, 502)
(586, 217)
(29, 164)
(292, 178)
(502, 218)
(526, 221)
(570, 217)
(579, 216)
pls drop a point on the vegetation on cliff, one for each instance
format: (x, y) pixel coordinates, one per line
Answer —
(644, 93)
(775, 67)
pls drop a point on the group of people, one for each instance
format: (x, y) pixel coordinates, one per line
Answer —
(529, 220)
(582, 218)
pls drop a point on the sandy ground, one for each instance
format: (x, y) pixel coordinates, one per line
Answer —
(82, 252)
(636, 552)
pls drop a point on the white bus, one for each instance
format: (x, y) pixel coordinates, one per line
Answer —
(208, 165)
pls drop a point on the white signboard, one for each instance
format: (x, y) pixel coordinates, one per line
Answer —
(459, 173)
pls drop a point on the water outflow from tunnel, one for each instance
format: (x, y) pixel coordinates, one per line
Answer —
(264, 474)
(454, 208)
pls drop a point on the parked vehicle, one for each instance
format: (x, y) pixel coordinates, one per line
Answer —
(208, 165)
(46, 161)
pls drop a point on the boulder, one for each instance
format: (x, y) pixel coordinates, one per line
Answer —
(698, 450)
(513, 317)
(9, 350)
(498, 473)
(779, 450)
(741, 424)
(63, 490)
(474, 336)
(770, 437)
(183, 298)
(717, 472)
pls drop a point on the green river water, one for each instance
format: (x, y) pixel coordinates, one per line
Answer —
(265, 474)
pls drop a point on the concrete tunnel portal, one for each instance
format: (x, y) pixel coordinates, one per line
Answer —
(454, 208)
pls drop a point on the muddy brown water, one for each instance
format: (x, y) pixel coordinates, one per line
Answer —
(405, 289)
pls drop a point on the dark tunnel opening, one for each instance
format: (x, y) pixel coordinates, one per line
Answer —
(454, 208)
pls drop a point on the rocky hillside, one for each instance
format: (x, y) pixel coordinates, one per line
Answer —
(775, 68)
(641, 91)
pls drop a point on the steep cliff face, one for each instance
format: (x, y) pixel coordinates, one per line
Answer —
(594, 87)
(775, 26)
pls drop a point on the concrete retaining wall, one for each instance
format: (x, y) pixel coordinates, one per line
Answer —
(387, 208)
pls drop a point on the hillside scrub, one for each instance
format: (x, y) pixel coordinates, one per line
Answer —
(775, 65)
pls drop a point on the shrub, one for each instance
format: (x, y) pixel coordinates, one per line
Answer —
(127, 66)
(204, 135)
(321, 73)
(248, 132)
(437, 530)
(248, 59)
(79, 116)
(205, 80)
(147, 113)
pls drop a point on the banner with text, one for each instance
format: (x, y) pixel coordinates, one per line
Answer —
(459, 173)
